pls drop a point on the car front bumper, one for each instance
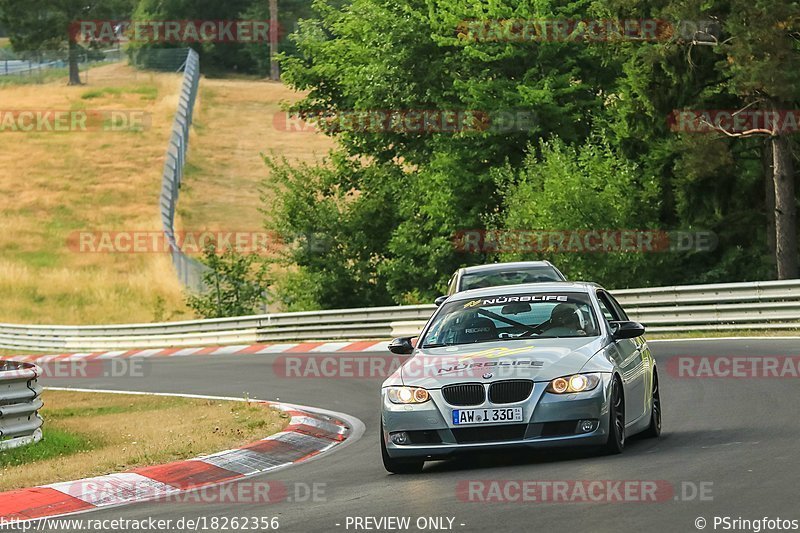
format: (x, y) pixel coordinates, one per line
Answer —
(549, 420)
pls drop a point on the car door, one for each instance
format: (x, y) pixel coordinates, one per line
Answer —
(648, 361)
(630, 360)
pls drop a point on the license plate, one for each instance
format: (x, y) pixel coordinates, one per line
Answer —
(462, 417)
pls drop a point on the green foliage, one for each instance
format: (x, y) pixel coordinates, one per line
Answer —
(336, 220)
(709, 181)
(147, 92)
(290, 12)
(224, 57)
(587, 188)
(420, 188)
(236, 285)
(44, 24)
(600, 155)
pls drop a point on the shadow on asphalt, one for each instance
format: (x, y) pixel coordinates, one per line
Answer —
(522, 457)
(636, 446)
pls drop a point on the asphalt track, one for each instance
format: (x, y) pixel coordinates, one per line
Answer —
(740, 437)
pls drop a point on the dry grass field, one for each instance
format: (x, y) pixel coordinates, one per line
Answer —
(87, 434)
(234, 125)
(57, 184)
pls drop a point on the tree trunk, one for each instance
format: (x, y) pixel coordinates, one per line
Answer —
(74, 71)
(274, 72)
(785, 208)
(769, 202)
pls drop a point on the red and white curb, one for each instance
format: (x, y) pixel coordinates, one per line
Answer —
(331, 347)
(247, 349)
(310, 432)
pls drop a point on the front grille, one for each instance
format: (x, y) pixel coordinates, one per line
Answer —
(490, 433)
(510, 391)
(465, 394)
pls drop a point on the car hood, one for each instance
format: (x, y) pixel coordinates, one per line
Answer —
(534, 359)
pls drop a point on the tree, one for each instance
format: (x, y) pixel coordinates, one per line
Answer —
(224, 57)
(589, 188)
(761, 56)
(733, 179)
(384, 55)
(39, 25)
(214, 56)
(236, 285)
(335, 231)
(421, 55)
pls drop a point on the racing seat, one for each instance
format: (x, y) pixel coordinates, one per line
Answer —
(565, 320)
(477, 329)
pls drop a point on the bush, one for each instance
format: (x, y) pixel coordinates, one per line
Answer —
(236, 285)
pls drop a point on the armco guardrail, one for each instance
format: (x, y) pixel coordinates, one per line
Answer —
(728, 306)
(20, 401)
(724, 306)
(366, 323)
(190, 271)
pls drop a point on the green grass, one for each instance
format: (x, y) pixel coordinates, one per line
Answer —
(56, 443)
(71, 412)
(147, 92)
(714, 334)
(89, 434)
(99, 181)
(39, 259)
(41, 77)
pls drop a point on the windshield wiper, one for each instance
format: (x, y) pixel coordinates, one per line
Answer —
(435, 345)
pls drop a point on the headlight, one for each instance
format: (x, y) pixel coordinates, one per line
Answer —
(576, 383)
(407, 395)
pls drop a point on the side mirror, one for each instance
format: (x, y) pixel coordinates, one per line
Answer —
(401, 346)
(627, 330)
(440, 300)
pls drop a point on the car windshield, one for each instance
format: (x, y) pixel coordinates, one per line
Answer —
(480, 280)
(512, 316)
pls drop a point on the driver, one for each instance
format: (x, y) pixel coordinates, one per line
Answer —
(564, 321)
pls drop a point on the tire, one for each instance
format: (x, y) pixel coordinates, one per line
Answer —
(616, 421)
(654, 430)
(399, 466)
